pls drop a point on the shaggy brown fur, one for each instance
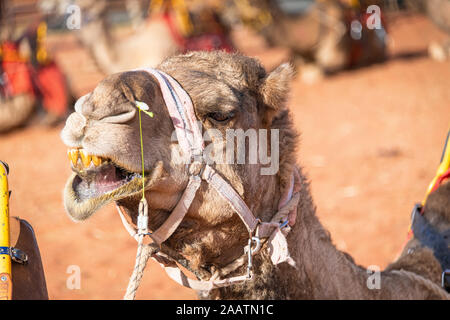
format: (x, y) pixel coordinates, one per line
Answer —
(212, 235)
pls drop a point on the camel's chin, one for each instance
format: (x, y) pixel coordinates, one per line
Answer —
(82, 198)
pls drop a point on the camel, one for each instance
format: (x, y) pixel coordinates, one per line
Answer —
(228, 91)
(147, 46)
(15, 111)
(153, 40)
(318, 36)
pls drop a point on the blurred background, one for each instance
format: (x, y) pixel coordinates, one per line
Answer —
(371, 98)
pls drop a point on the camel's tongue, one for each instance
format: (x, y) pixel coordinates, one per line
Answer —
(106, 180)
(95, 183)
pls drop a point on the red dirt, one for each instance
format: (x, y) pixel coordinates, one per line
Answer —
(371, 142)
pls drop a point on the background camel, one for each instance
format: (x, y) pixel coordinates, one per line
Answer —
(317, 33)
(168, 27)
(33, 88)
(148, 45)
(228, 91)
(15, 111)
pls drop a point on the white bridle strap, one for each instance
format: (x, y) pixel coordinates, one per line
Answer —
(228, 193)
(190, 138)
(177, 275)
(173, 221)
(269, 230)
(181, 111)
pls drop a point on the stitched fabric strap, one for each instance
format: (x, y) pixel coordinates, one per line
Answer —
(173, 221)
(178, 276)
(269, 231)
(181, 111)
(228, 193)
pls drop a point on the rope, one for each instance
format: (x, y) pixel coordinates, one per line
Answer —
(143, 251)
(433, 287)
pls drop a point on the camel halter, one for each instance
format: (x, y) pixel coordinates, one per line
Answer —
(190, 139)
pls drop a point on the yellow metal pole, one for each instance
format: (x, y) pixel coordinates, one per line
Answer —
(5, 258)
(443, 167)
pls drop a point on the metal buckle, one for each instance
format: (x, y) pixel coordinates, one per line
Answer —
(18, 256)
(250, 252)
(142, 219)
(445, 280)
(284, 224)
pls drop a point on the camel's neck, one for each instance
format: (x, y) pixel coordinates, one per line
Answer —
(318, 262)
(322, 272)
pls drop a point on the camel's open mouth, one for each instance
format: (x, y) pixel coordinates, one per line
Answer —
(96, 175)
(96, 181)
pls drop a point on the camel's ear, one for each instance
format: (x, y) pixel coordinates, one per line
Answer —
(276, 86)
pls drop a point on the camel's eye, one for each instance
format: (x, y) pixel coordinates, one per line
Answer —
(220, 117)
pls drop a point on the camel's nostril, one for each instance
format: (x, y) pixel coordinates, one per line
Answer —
(79, 104)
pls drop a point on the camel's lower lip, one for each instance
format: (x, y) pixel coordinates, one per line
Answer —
(93, 183)
(88, 190)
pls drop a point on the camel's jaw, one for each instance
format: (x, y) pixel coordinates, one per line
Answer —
(95, 182)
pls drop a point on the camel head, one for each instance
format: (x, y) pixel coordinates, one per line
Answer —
(230, 93)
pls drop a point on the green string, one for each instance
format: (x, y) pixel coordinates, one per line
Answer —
(142, 149)
(142, 155)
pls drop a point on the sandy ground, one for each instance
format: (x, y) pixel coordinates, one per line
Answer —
(371, 142)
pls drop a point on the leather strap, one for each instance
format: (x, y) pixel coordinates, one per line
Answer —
(180, 108)
(173, 221)
(181, 111)
(227, 192)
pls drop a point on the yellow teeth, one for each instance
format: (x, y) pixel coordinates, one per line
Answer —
(86, 159)
(73, 156)
(96, 161)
